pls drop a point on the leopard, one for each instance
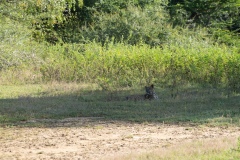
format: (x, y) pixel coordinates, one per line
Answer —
(149, 95)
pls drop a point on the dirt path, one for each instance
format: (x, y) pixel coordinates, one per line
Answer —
(82, 138)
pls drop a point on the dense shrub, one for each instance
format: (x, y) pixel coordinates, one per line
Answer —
(122, 22)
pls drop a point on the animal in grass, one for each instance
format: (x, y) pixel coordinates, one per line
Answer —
(149, 95)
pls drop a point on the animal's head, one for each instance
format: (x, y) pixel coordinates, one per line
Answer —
(150, 94)
(150, 90)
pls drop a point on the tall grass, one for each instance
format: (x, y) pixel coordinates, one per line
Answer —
(123, 65)
(188, 58)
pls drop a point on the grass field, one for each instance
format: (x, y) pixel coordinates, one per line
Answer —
(40, 106)
(56, 101)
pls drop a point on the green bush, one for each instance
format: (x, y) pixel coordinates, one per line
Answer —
(130, 24)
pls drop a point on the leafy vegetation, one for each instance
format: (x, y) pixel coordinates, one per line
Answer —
(120, 43)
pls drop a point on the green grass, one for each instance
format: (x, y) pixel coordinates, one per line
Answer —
(121, 65)
(57, 100)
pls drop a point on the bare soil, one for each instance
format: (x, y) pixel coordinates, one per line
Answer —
(92, 138)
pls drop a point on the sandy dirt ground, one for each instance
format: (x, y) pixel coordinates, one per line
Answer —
(91, 138)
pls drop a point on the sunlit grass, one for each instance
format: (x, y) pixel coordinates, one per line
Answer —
(210, 149)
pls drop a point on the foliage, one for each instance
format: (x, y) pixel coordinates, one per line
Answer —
(89, 3)
(119, 20)
(119, 65)
(212, 13)
(16, 50)
(221, 17)
(133, 27)
(131, 21)
(123, 43)
(42, 15)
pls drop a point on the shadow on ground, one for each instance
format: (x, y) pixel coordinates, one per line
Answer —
(79, 108)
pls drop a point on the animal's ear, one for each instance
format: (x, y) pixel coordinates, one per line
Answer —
(152, 86)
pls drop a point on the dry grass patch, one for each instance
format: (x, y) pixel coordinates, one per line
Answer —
(217, 148)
